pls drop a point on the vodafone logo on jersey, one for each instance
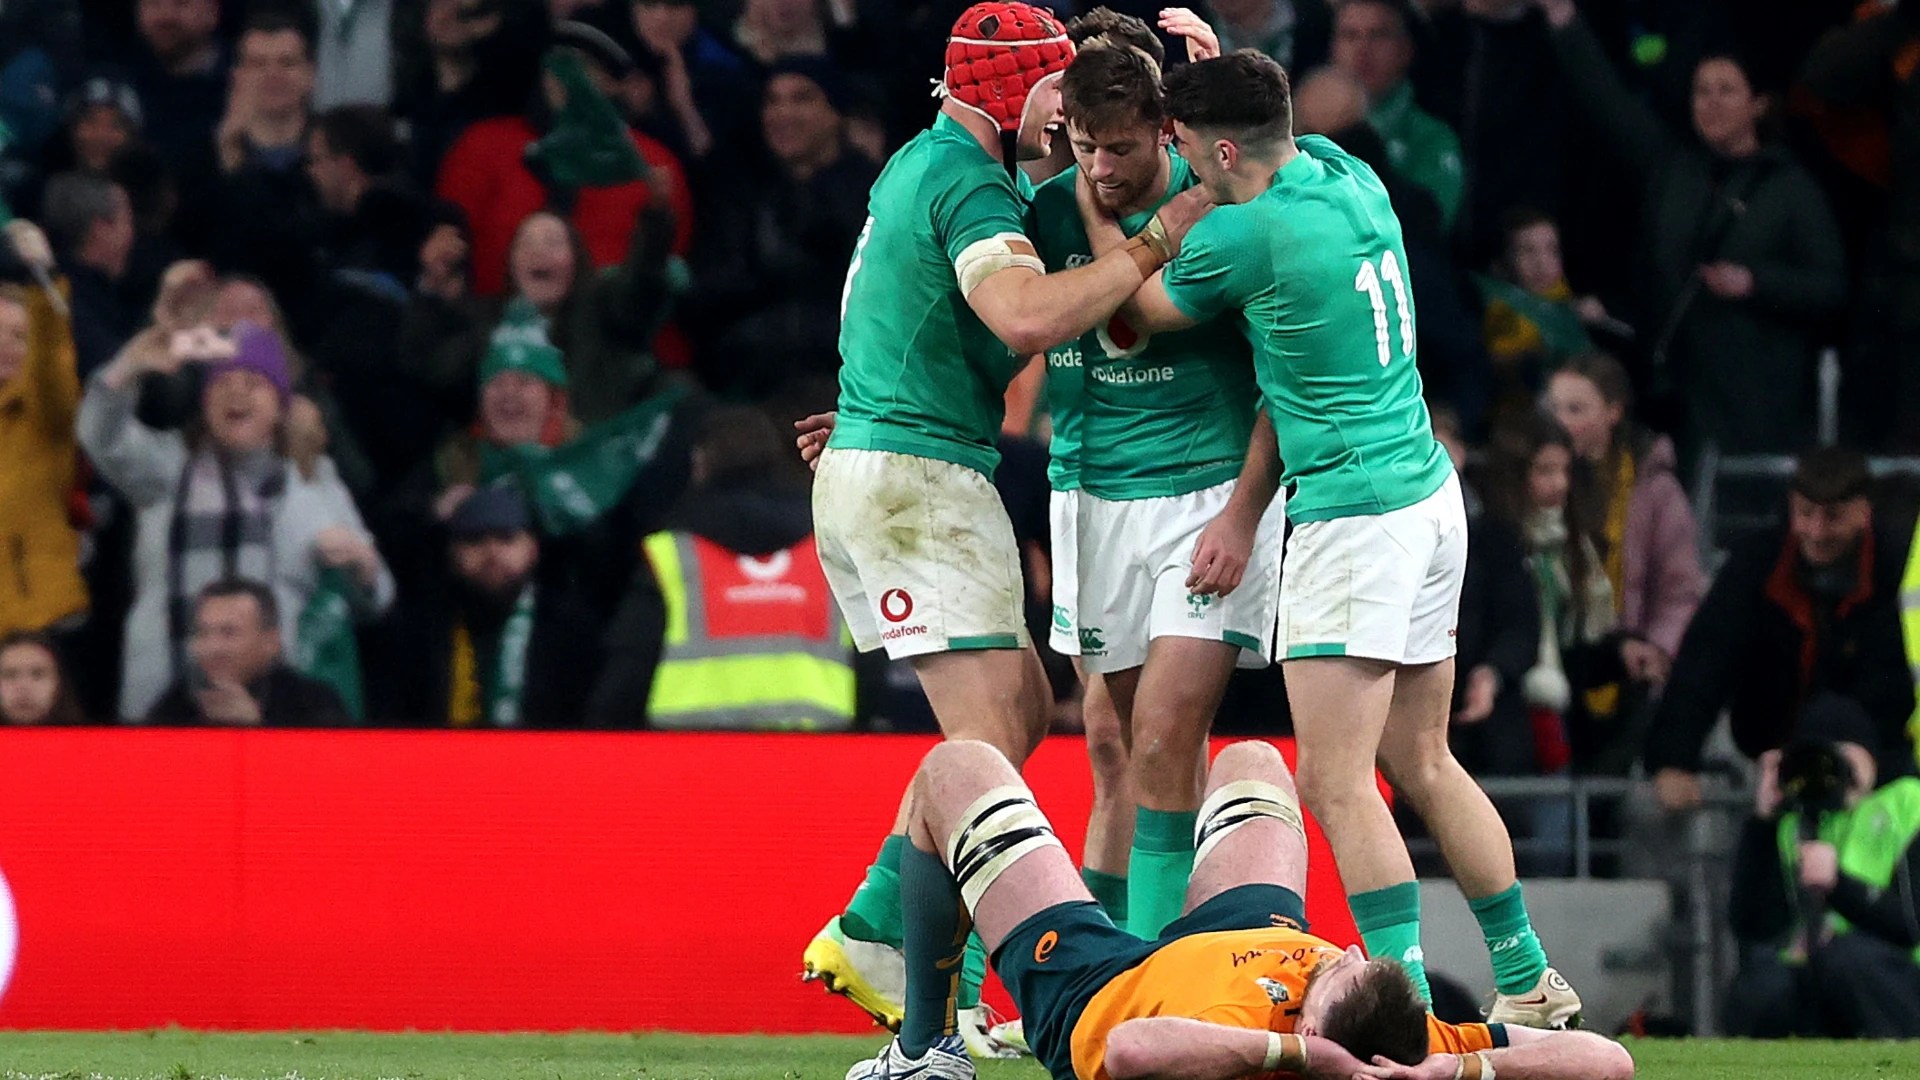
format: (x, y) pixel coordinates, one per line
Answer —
(9, 935)
(896, 606)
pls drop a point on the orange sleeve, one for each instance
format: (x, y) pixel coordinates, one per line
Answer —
(1445, 1038)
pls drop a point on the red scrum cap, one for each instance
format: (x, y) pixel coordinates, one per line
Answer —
(998, 52)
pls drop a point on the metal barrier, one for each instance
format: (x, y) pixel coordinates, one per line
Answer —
(1702, 956)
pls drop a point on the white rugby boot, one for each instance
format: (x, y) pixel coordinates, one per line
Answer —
(946, 1059)
(1550, 1004)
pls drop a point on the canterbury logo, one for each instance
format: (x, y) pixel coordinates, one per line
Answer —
(1044, 947)
(1509, 943)
(1413, 956)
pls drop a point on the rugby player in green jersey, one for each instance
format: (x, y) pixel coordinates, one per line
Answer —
(1165, 556)
(944, 297)
(1305, 254)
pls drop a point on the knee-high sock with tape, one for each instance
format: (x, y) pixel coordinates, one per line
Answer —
(874, 912)
(937, 932)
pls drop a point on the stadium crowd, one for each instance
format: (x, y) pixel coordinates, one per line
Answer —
(427, 362)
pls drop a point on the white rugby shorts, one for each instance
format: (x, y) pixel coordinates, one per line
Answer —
(1120, 578)
(919, 553)
(1380, 586)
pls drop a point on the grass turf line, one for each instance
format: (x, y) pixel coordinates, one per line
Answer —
(187, 1055)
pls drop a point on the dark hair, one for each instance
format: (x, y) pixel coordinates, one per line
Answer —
(1382, 1016)
(1118, 29)
(1607, 375)
(73, 202)
(1832, 474)
(1517, 219)
(261, 594)
(1243, 94)
(66, 703)
(279, 21)
(1510, 455)
(1107, 90)
(363, 133)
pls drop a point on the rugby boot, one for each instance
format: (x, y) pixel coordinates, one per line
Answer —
(1550, 1004)
(870, 974)
(946, 1059)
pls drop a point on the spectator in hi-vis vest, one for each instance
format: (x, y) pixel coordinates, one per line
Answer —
(730, 623)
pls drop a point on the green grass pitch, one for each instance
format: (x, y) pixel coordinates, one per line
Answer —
(186, 1055)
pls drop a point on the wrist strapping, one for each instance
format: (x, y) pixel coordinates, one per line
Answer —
(1157, 238)
(1141, 252)
(1474, 1066)
(1285, 1053)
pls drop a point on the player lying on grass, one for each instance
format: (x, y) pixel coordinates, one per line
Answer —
(1234, 988)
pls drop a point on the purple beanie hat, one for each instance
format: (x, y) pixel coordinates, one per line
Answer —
(257, 349)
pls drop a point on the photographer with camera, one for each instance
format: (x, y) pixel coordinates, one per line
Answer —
(1823, 888)
(1812, 610)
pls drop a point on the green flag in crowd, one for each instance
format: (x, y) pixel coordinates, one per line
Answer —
(588, 145)
(1561, 330)
(573, 486)
(324, 646)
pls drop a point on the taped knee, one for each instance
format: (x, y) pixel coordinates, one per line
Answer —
(1235, 804)
(996, 831)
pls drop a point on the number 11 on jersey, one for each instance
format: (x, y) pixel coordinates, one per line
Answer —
(1368, 281)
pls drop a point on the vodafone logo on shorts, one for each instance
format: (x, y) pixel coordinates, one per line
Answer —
(896, 606)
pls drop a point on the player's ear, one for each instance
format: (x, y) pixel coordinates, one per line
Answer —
(1357, 953)
(1225, 154)
(1166, 133)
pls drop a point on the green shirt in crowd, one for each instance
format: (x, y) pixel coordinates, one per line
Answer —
(1420, 147)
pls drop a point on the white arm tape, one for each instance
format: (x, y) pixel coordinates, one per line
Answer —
(984, 258)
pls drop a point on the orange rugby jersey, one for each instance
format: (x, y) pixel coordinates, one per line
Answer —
(1252, 979)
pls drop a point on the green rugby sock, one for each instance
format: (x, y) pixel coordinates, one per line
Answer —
(1518, 959)
(1389, 924)
(1158, 867)
(973, 972)
(936, 931)
(1111, 892)
(874, 912)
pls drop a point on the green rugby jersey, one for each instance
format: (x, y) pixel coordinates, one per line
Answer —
(1316, 272)
(920, 373)
(1138, 416)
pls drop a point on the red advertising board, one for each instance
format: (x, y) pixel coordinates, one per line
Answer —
(467, 881)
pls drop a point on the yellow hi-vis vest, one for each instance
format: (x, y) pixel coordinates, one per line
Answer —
(753, 643)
